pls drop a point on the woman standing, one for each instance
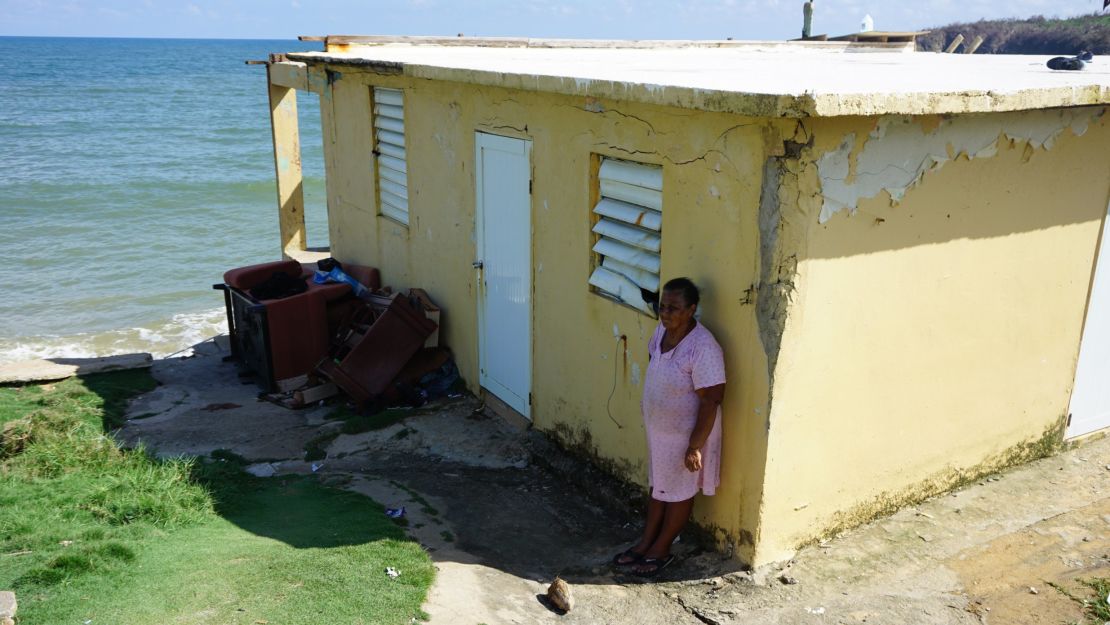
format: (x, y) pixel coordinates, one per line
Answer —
(683, 389)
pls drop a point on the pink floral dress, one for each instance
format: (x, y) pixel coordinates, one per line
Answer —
(670, 408)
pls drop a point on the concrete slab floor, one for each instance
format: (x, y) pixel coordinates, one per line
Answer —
(500, 525)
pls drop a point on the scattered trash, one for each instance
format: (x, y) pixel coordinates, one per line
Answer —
(317, 466)
(560, 595)
(924, 514)
(1033, 591)
(392, 572)
(262, 469)
(395, 513)
(786, 579)
(801, 506)
(66, 543)
(815, 610)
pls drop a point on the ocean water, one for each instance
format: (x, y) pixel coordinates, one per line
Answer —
(133, 173)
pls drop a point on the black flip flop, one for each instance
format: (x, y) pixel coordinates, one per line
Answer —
(633, 558)
(658, 563)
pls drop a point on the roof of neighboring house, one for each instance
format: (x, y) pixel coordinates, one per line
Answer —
(762, 79)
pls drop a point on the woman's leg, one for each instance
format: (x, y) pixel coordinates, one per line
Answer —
(652, 525)
(675, 516)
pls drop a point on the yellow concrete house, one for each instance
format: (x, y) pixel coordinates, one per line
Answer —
(898, 251)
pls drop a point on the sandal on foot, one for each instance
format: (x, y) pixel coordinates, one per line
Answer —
(656, 564)
(627, 558)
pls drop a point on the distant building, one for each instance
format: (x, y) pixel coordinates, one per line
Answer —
(897, 250)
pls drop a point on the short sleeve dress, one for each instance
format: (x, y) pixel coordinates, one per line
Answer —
(670, 409)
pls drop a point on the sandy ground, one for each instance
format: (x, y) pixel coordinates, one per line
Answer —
(500, 522)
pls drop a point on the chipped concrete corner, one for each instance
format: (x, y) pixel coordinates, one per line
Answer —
(901, 150)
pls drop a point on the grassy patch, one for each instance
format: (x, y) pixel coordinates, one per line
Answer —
(314, 448)
(425, 507)
(1097, 607)
(355, 423)
(92, 531)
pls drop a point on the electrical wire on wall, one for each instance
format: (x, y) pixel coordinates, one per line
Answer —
(622, 340)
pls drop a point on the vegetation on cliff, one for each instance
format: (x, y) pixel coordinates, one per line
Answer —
(1036, 35)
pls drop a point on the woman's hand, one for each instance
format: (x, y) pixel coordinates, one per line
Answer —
(693, 460)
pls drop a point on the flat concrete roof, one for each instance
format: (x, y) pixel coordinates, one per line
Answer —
(761, 79)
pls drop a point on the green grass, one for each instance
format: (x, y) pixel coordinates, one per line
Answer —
(92, 531)
(1097, 607)
(355, 423)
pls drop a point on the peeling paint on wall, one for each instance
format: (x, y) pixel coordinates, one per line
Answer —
(901, 150)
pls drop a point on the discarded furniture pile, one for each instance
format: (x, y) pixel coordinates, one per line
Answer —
(306, 332)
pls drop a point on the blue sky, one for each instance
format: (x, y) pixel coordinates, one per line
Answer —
(706, 19)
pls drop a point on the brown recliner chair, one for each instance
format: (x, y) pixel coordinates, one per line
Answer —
(280, 340)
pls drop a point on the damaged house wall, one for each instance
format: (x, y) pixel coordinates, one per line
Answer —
(589, 352)
(933, 323)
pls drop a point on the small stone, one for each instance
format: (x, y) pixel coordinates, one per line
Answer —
(1033, 591)
(786, 579)
(560, 595)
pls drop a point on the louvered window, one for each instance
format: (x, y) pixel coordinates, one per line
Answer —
(389, 147)
(629, 233)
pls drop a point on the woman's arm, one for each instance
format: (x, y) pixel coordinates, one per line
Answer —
(709, 398)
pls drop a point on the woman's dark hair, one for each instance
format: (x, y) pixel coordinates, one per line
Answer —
(689, 290)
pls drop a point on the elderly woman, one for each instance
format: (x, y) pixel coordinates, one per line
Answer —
(682, 413)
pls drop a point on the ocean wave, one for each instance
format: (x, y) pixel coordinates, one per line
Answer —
(169, 337)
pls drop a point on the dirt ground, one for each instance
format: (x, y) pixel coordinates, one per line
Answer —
(495, 509)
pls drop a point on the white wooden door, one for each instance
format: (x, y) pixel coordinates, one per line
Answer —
(1090, 398)
(504, 263)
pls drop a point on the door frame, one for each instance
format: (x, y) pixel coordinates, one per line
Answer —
(484, 139)
(1072, 429)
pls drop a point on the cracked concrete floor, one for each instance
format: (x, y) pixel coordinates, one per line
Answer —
(499, 526)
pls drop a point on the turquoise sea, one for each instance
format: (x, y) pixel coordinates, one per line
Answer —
(133, 173)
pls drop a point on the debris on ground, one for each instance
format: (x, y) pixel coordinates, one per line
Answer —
(786, 579)
(395, 513)
(392, 572)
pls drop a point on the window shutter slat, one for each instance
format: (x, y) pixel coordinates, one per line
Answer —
(639, 237)
(630, 213)
(632, 194)
(627, 254)
(635, 174)
(619, 287)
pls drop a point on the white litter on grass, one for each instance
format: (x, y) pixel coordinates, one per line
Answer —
(317, 467)
(392, 572)
(262, 469)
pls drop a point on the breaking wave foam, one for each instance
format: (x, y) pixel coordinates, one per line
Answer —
(179, 333)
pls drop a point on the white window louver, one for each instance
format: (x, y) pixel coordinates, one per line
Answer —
(629, 231)
(389, 146)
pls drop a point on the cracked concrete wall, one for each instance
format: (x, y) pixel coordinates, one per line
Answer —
(935, 315)
(713, 165)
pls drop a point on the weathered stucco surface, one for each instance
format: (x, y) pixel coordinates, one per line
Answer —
(933, 338)
(585, 346)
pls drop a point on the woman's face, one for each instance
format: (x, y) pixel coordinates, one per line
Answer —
(673, 311)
